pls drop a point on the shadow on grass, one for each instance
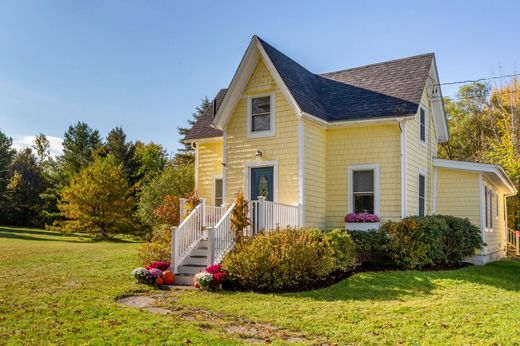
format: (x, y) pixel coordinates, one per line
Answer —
(24, 233)
(390, 285)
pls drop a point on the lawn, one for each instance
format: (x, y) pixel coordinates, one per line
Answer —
(62, 290)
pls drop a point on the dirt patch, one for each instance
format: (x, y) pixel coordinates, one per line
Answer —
(248, 331)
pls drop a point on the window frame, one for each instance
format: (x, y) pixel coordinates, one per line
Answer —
(421, 174)
(272, 117)
(214, 190)
(377, 190)
(422, 110)
(489, 215)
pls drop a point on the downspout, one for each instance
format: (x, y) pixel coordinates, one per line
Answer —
(301, 171)
(224, 170)
(196, 148)
(402, 126)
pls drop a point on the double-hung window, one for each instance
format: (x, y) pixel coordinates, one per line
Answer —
(260, 116)
(363, 189)
(217, 192)
(422, 125)
(422, 194)
(489, 196)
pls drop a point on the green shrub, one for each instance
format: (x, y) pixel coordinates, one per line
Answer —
(158, 249)
(461, 240)
(288, 260)
(417, 242)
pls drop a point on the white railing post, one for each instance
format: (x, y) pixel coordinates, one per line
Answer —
(261, 213)
(300, 215)
(175, 246)
(211, 245)
(203, 212)
(182, 209)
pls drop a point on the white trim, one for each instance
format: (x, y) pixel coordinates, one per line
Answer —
(301, 169)
(247, 176)
(204, 140)
(439, 114)
(253, 54)
(272, 116)
(434, 208)
(224, 169)
(377, 190)
(478, 167)
(213, 189)
(349, 123)
(404, 211)
(482, 209)
(196, 167)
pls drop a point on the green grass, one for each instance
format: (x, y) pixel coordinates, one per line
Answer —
(62, 290)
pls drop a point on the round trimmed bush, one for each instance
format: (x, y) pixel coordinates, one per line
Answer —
(289, 260)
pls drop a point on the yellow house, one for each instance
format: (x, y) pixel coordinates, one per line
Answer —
(307, 149)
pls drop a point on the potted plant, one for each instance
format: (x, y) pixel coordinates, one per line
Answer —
(361, 221)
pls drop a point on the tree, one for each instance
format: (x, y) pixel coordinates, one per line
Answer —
(6, 156)
(122, 151)
(79, 143)
(23, 191)
(186, 153)
(42, 147)
(98, 201)
(173, 181)
(150, 159)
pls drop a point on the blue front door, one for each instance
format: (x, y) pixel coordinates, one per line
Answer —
(262, 183)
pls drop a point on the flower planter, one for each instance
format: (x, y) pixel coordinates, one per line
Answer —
(361, 226)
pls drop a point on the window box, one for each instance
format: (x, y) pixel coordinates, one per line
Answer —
(361, 226)
(361, 221)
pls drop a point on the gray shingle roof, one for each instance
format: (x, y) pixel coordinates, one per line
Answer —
(202, 127)
(388, 89)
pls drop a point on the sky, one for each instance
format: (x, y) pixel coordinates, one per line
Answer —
(145, 65)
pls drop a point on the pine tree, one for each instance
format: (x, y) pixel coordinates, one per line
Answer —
(186, 153)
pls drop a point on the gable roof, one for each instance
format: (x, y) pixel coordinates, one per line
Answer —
(387, 90)
(202, 127)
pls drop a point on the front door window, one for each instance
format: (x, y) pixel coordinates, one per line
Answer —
(262, 183)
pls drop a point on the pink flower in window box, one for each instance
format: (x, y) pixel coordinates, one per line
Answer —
(361, 221)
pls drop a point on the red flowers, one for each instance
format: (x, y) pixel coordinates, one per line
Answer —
(218, 275)
(159, 265)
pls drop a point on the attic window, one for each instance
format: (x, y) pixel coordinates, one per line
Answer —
(261, 119)
(422, 124)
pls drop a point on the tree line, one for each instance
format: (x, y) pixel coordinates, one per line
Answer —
(484, 126)
(101, 186)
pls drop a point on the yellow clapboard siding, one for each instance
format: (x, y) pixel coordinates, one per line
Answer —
(209, 165)
(282, 147)
(495, 238)
(458, 194)
(376, 144)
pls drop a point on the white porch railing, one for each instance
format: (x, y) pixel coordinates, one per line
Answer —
(220, 238)
(213, 215)
(269, 216)
(186, 236)
(513, 239)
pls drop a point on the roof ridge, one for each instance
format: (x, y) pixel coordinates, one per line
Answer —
(324, 74)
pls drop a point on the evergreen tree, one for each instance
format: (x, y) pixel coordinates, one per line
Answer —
(79, 143)
(186, 153)
(122, 151)
(23, 191)
(6, 156)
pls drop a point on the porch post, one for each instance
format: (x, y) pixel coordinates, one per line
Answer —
(517, 233)
(261, 213)
(211, 245)
(175, 245)
(203, 212)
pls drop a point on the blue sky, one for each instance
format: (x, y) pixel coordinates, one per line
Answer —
(145, 65)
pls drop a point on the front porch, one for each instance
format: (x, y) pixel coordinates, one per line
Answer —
(205, 235)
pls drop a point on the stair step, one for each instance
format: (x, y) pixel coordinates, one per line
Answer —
(191, 268)
(199, 252)
(183, 279)
(199, 260)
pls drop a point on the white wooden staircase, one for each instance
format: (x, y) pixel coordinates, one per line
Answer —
(205, 235)
(513, 243)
